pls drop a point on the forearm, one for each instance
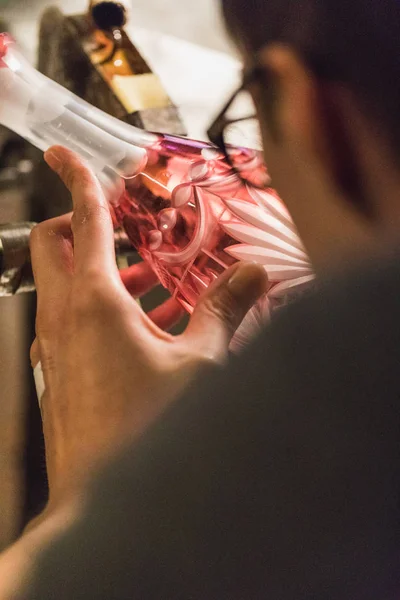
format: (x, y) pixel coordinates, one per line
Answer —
(18, 563)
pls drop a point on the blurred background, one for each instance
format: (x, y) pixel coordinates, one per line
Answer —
(185, 44)
(197, 21)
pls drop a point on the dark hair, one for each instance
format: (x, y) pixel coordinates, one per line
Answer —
(355, 42)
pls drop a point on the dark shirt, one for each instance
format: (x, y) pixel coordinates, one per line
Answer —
(275, 479)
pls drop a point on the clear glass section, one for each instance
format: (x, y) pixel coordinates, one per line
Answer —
(45, 114)
(248, 130)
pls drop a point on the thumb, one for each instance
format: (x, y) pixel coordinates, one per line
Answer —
(224, 306)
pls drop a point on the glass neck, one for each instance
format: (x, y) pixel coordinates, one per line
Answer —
(46, 114)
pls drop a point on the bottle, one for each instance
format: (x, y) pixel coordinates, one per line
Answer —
(181, 205)
(125, 71)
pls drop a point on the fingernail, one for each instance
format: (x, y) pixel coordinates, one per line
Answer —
(53, 161)
(248, 280)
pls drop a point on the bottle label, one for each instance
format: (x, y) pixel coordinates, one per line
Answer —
(140, 92)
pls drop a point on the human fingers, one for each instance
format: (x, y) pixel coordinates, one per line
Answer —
(91, 223)
(52, 258)
(223, 307)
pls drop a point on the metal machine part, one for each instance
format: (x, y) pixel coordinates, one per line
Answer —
(11, 176)
(15, 263)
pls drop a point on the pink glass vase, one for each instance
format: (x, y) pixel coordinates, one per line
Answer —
(184, 209)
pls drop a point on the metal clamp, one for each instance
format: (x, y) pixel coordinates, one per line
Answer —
(15, 263)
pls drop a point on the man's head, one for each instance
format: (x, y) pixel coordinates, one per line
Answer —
(331, 95)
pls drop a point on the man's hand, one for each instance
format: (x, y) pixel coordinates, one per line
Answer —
(109, 369)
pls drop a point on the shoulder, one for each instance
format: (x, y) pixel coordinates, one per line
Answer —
(346, 332)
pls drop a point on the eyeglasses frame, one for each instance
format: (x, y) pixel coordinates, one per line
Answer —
(221, 122)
